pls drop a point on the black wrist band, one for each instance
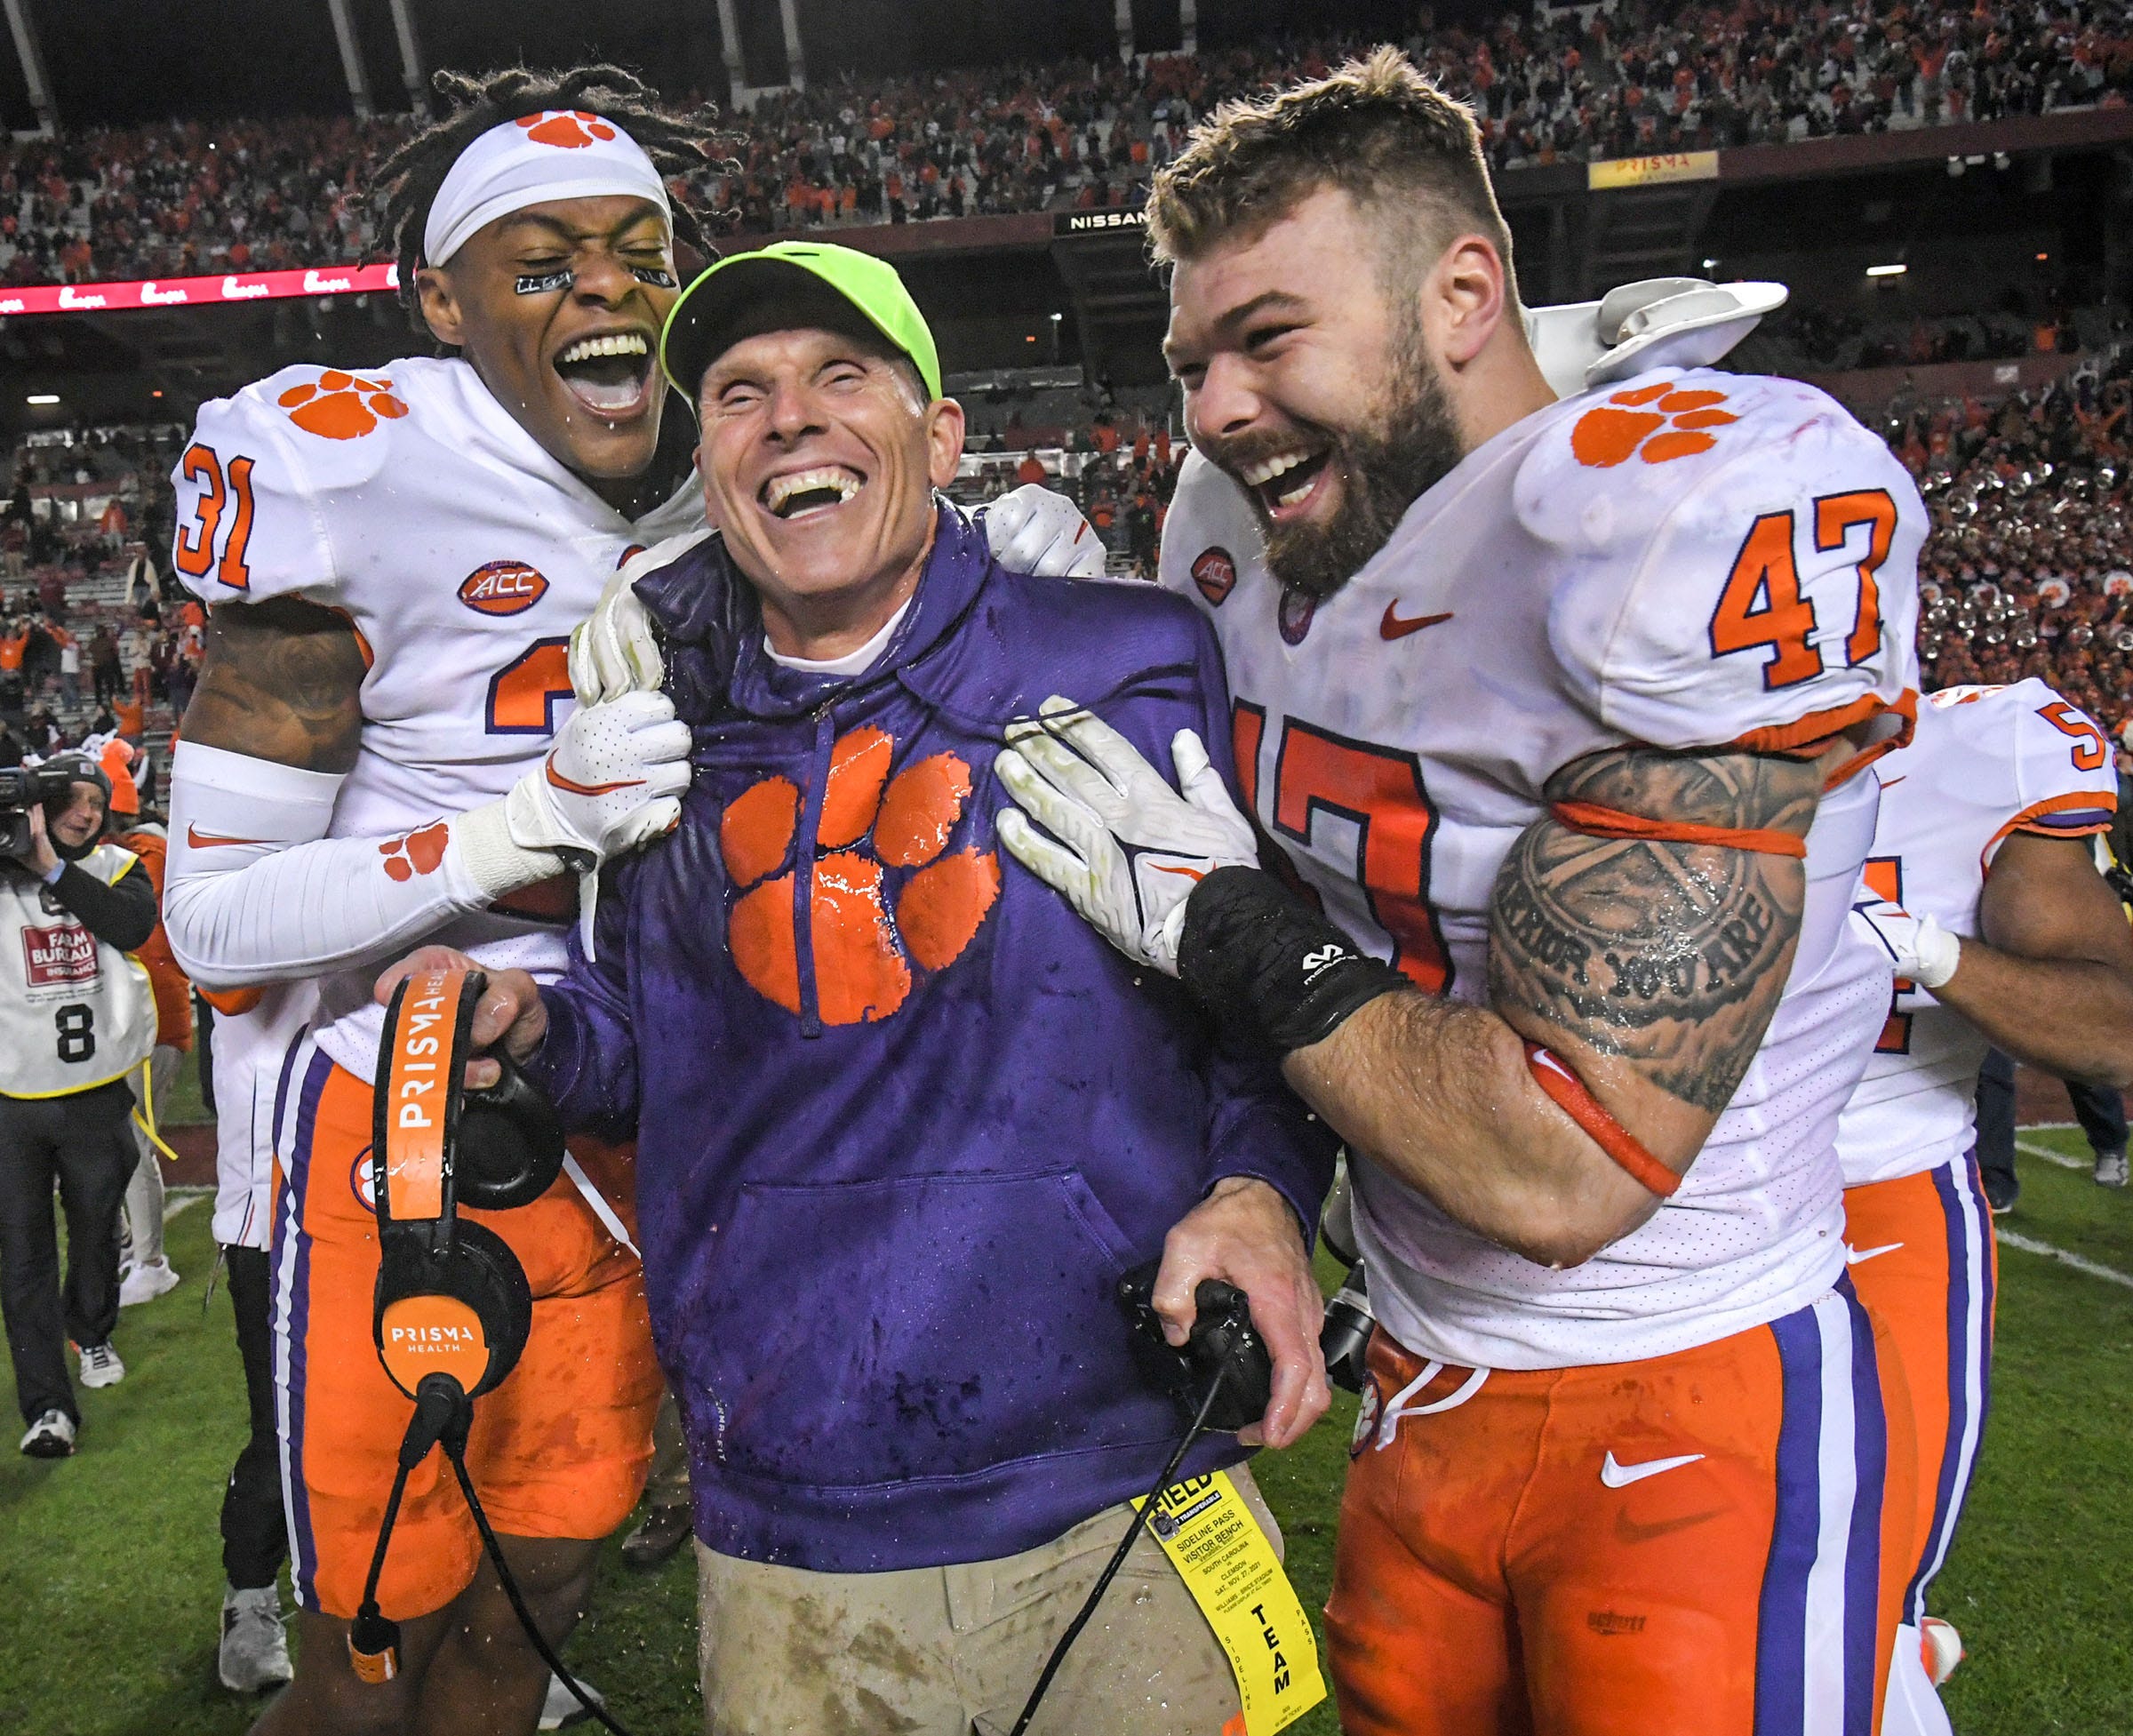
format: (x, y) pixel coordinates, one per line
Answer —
(1264, 962)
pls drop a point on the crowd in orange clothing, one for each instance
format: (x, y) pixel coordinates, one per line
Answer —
(191, 197)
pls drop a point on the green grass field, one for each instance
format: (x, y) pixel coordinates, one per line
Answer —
(110, 1574)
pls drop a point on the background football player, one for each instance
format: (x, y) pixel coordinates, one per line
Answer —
(2002, 931)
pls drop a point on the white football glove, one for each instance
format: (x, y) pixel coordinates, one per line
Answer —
(612, 779)
(1130, 848)
(1920, 948)
(613, 650)
(1654, 323)
(1035, 530)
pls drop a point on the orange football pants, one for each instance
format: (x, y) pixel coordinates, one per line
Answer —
(1694, 1545)
(559, 1450)
(1925, 1263)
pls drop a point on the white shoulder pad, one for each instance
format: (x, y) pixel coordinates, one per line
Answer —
(1209, 537)
(275, 475)
(661, 553)
(2054, 760)
(1740, 559)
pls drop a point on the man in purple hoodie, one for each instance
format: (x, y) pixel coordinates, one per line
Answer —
(903, 1120)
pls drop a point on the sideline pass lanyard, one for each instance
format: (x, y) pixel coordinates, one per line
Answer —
(1228, 1564)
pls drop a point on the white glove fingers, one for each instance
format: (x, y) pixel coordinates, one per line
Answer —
(1066, 770)
(1057, 866)
(662, 742)
(1057, 811)
(639, 710)
(1110, 752)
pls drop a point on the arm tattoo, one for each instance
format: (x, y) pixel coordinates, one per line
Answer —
(1672, 956)
(281, 680)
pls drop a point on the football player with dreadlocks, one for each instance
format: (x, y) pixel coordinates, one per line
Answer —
(382, 750)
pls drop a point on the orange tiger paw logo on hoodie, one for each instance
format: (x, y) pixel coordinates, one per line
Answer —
(864, 942)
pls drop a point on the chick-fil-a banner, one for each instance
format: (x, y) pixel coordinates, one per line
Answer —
(198, 292)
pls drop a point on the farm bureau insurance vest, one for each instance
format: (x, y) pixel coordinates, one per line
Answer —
(75, 1013)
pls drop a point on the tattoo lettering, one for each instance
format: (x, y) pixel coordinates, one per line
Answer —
(1672, 955)
(280, 680)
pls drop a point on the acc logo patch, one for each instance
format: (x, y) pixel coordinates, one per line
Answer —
(567, 129)
(873, 827)
(1216, 574)
(1293, 617)
(502, 587)
(1630, 424)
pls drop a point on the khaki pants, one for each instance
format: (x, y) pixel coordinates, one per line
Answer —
(936, 1651)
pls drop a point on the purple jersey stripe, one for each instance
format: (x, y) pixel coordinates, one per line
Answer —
(306, 1564)
(1781, 1617)
(1933, 1545)
(2070, 819)
(1863, 1548)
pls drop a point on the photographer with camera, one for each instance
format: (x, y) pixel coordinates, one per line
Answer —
(76, 1016)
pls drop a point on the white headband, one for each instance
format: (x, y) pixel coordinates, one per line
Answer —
(559, 154)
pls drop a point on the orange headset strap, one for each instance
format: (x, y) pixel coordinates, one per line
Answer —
(414, 1120)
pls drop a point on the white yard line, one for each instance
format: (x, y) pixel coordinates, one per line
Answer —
(182, 1199)
(2010, 1239)
(2030, 1147)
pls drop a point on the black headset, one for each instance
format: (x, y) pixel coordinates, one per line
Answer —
(452, 1308)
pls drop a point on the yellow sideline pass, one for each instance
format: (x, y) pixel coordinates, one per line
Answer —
(1229, 1565)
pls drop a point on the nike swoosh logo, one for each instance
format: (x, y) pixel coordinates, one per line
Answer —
(561, 782)
(1618, 1476)
(1860, 1256)
(200, 840)
(1189, 873)
(1393, 628)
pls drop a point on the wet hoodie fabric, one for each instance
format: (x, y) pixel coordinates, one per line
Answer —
(892, 1158)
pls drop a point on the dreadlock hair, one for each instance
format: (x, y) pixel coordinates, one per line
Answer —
(408, 180)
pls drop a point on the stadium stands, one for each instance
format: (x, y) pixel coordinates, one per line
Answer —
(2031, 571)
(189, 198)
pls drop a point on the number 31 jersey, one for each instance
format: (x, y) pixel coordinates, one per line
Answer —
(408, 500)
(1985, 763)
(1691, 559)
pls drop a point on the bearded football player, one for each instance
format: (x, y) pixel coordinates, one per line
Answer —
(1555, 711)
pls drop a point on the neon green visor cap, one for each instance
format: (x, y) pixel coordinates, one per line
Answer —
(783, 287)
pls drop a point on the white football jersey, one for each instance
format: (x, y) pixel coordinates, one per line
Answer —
(1985, 762)
(1687, 559)
(252, 1080)
(464, 553)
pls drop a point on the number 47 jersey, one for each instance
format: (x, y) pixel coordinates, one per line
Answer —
(409, 501)
(1689, 559)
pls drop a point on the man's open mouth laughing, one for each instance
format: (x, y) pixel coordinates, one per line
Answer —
(611, 373)
(796, 496)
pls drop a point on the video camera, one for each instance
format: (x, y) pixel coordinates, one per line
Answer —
(26, 787)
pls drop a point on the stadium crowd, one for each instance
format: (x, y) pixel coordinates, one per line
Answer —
(188, 198)
(2030, 571)
(94, 639)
